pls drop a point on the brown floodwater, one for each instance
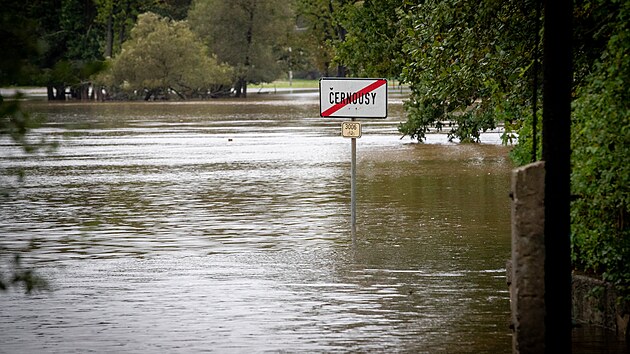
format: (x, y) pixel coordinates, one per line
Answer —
(223, 226)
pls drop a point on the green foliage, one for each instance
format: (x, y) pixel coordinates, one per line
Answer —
(75, 23)
(321, 22)
(173, 9)
(116, 18)
(72, 37)
(15, 123)
(248, 35)
(164, 55)
(593, 22)
(601, 164)
(464, 62)
(375, 35)
(52, 43)
(521, 154)
(470, 65)
(421, 115)
(19, 43)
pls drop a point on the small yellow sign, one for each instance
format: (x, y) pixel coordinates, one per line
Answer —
(351, 129)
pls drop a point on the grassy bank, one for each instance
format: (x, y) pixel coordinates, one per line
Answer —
(296, 83)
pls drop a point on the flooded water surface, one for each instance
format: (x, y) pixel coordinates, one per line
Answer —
(223, 226)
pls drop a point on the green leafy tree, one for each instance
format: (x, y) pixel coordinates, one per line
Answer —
(594, 22)
(164, 55)
(116, 18)
(375, 35)
(17, 38)
(466, 63)
(174, 9)
(72, 46)
(323, 24)
(601, 163)
(246, 34)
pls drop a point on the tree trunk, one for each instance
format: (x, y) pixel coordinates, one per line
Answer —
(109, 41)
(341, 34)
(61, 92)
(238, 87)
(99, 94)
(122, 33)
(179, 94)
(248, 37)
(84, 91)
(148, 95)
(50, 92)
(341, 71)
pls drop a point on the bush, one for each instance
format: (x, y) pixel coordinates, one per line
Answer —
(164, 56)
(601, 166)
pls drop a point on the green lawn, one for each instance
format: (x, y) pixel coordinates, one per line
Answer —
(297, 83)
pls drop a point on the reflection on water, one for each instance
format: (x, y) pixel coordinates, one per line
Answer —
(223, 226)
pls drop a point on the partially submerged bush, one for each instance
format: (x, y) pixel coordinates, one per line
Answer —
(164, 57)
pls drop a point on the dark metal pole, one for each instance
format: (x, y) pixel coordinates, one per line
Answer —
(557, 76)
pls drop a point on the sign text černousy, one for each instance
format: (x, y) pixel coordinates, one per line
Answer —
(353, 98)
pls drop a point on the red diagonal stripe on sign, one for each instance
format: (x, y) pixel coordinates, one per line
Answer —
(369, 88)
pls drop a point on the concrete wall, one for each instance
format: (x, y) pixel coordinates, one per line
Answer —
(527, 288)
(593, 301)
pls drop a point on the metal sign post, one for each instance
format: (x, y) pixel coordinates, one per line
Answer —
(352, 98)
(353, 185)
(353, 131)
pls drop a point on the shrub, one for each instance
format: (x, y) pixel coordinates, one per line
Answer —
(601, 166)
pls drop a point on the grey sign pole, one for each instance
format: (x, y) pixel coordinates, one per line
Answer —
(353, 188)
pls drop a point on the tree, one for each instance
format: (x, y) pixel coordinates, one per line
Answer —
(117, 17)
(72, 45)
(64, 51)
(164, 55)
(594, 22)
(375, 34)
(19, 39)
(246, 34)
(323, 22)
(601, 161)
(468, 63)
(173, 9)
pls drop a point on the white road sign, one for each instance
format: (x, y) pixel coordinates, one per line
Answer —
(353, 98)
